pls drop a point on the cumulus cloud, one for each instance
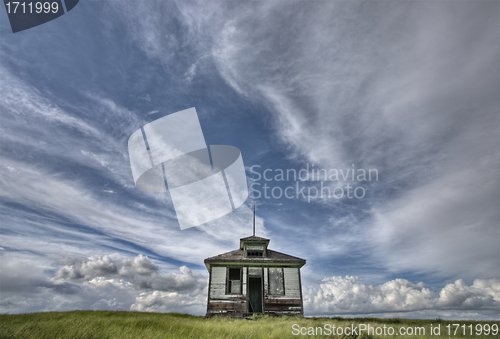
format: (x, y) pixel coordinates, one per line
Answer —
(168, 302)
(349, 295)
(483, 294)
(105, 282)
(106, 266)
(114, 282)
(140, 271)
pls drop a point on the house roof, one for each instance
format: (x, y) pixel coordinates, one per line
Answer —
(254, 238)
(271, 257)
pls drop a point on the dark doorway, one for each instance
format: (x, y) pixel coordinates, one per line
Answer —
(255, 295)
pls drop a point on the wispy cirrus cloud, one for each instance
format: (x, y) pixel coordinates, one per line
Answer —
(44, 198)
(103, 222)
(409, 91)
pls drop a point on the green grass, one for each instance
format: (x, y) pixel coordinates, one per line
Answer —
(107, 324)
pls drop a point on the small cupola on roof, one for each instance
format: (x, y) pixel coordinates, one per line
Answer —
(254, 246)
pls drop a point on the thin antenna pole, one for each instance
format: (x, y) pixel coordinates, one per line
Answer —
(254, 220)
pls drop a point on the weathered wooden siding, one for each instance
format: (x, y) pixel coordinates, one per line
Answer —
(290, 303)
(266, 281)
(235, 305)
(220, 302)
(255, 271)
(283, 306)
(292, 284)
(218, 286)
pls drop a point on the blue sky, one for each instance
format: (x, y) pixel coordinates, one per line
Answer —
(410, 89)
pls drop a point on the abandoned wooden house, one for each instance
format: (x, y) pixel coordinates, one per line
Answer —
(254, 279)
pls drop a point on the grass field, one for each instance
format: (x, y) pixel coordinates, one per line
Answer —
(108, 324)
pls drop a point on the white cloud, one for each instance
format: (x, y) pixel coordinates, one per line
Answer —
(483, 294)
(169, 302)
(107, 282)
(349, 295)
(140, 271)
(154, 229)
(139, 284)
(28, 103)
(50, 186)
(449, 226)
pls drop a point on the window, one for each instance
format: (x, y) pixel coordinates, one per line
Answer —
(276, 285)
(234, 281)
(254, 253)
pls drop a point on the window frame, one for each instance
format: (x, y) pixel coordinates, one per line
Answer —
(229, 281)
(269, 281)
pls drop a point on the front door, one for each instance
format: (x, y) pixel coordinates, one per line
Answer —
(255, 295)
